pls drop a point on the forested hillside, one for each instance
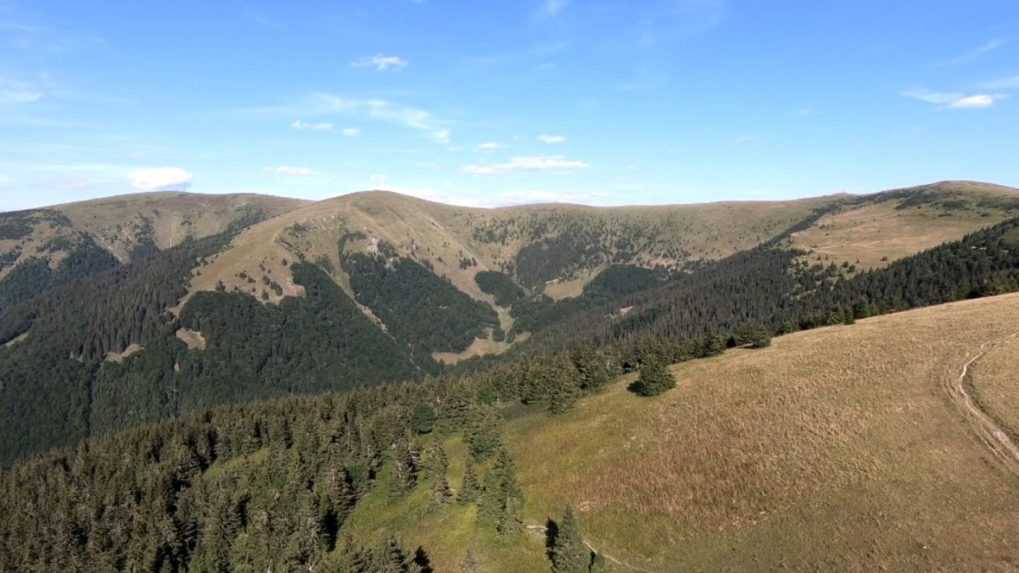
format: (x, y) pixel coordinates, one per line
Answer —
(326, 483)
(153, 343)
(44, 248)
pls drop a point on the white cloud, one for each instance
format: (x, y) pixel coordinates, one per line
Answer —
(552, 8)
(529, 163)
(13, 92)
(290, 171)
(303, 125)
(351, 132)
(489, 146)
(388, 112)
(954, 100)
(326, 104)
(974, 101)
(975, 53)
(381, 62)
(161, 179)
(551, 139)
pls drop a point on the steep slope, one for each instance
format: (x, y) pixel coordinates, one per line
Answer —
(842, 448)
(835, 449)
(352, 292)
(41, 248)
(362, 239)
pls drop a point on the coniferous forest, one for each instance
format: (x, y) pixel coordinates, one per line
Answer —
(269, 484)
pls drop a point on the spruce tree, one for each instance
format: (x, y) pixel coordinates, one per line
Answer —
(470, 488)
(759, 337)
(569, 554)
(502, 499)
(654, 379)
(405, 469)
(423, 419)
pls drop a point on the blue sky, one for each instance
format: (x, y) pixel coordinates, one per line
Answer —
(504, 102)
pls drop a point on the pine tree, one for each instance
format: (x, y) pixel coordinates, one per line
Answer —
(569, 554)
(592, 368)
(436, 463)
(423, 419)
(469, 489)
(655, 378)
(391, 558)
(502, 499)
(759, 337)
(441, 492)
(405, 469)
(482, 433)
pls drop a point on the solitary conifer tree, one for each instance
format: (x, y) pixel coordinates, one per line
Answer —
(655, 377)
(569, 554)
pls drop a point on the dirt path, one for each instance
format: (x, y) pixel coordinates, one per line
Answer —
(987, 429)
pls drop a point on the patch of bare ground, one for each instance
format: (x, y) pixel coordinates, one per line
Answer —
(480, 347)
(193, 339)
(120, 357)
(834, 449)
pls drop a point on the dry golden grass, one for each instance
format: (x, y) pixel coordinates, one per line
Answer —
(480, 347)
(835, 449)
(561, 289)
(878, 234)
(995, 381)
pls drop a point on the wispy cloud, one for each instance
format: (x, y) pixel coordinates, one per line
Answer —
(161, 179)
(551, 139)
(385, 111)
(14, 92)
(552, 8)
(351, 132)
(954, 100)
(975, 53)
(489, 146)
(310, 126)
(290, 171)
(381, 62)
(528, 163)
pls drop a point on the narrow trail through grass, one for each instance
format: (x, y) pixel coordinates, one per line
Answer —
(991, 434)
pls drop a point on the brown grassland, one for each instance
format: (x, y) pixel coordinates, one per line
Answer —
(995, 385)
(876, 235)
(834, 449)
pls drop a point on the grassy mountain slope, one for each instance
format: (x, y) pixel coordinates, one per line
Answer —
(536, 244)
(42, 248)
(834, 449)
(895, 224)
(843, 448)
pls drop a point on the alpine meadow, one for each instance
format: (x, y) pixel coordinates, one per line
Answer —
(551, 286)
